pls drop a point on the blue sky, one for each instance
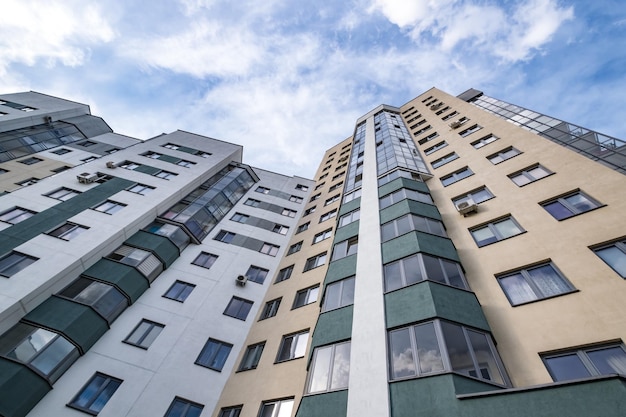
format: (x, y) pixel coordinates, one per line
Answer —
(288, 79)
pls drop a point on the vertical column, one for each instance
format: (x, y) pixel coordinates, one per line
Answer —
(368, 393)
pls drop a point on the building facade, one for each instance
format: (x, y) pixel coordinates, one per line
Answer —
(454, 256)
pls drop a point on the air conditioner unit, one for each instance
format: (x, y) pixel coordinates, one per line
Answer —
(111, 164)
(466, 207)
(455, 125)
(48, 120)
(86, 177)
(241, 280)
(435, 106)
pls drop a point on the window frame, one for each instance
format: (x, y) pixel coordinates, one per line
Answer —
(71, 233)
(527, 278)
(23, 259)
(470, 195)
(495, 231)
(328, 215)
(306, 296)
(251, 357)
(424, 273)
(284, 274)
(146, 334)
(208, 260)
(242, 310)
(574, 210)
(323, 235)
(187, 405)
(113, 207)
(328, 370)
(95, 395)
(526, 174)
(340, 287)
(67, 193)
(620, 245)
(437, 163)
(456, 176)
(182, 294)
(214, 357)
(301, 336)
(256, 274)
(19, 213)
(484, 141)
(270, 309)
(296, 247)
(314, 261)
(582, 354)
(504, 155)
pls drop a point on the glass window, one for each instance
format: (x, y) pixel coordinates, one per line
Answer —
(536, 283)
(257, 274)
(166, 175)
(205, 260)
(67, 231)
(477, 196)
(587, 362)
(420, 267)
(614, 256)
(284, 273)
(269, 249)
(411, 222)
(270, 309)
(184, 408)
(435, 147)
(289, 213)
(306, 296)
(503, 155)
(27, 182)
(345, 248)
(16, 215)
(328, 216)
(144, 334)
(142, 260)
(224, 236)
(61, 151)
(252, 202)
(528, 175)
(322, 235)
(280, 229)
(470, 130)
(444, 160)
(339, 294)
(230, 412)
(179, 291)
(238, 308)
(570, 205)
(295, 199)
(456, 176)
(240, 218)
(262, 190)
(214, 354)
(280, 408)
(252, 356)
(292, 346)
(484, 141)
(107, 300)
(349, 217)
(403, 194)
(109, 207)
(63, 194)
(330, 368)
(315, 261)
(303, 227)
(14, 262)
(496, 231)
(294, 248)
(309, 211)
(94, 396)
(141, 189)
(302, 187)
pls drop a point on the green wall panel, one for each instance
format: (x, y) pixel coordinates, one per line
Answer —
(20, 389)
(349, 206)
(125, 278)
(340, 269)
(333, 326)
(146, 169)
(347, 231)
(426, 300)
(414, 242)
(330, 404)
(162, 247)
(402, 183)
(187, 150)
(169, 159)
(78, 322)
(408, 206)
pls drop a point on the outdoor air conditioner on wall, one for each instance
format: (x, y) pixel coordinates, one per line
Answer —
(111, 165)
(241, 280)
(86, 177)
(435, 106)
(454, 125)
(466, 207)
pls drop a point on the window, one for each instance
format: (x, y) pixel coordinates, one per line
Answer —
(328, 216)
(469, 130)
(61, 151)
(144, 334)
(570, 205)
(615, 256)
(292, 346)
(238, 308)
(270, 309)
(166, 175)
(141, 189)
(13, 263)
(252, 202)
(3, 171)
(129, 165)
(93, 397)
(352, 195)
(295, 248)
(109, 207)
(335, 186)
(105, 299)
(251, 357)
(315, 197)
(587, 362)
(262, 190)
(503, 155)
(142, 260)
(496, 231)
(269, 249)
(420, 267)
(240, 218)
(428, 138)
(440, 346)
(402, 194)
(484, 141)
(346, 248)
(315, 261)
(456, 176)
(306, 296)
(30, 161)
(89, 159)
(339, 294)
(528, 175)
(444, 160)
(303, 227)
(59, 169)
(332, 199)
(330, 368)
(230, 412)
(295, 199)
(449, 116)
(205, 260)
(171, 146)
(63, 194)
(184, 408)
(257, 274)
(477, 196)
(410, 222)
(284, 274)
(68, 231)
(302, 187)
(322, 235)
(16, 215)
(87, 143)
(435, 147)
(185, 164)
(224, 236)
(280, 408)
(349, 217)
(179, 291)
(152, 155)
(27, 182)
(290, 213)
(214, 354)
(309, 211)
(318, 186)
(536, 283)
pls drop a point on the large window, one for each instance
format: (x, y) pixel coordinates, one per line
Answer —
(444, 160)
(484, 141)
(252, 356)
(269, 249)
(410, 222)
(67, 231)
(328, 216)
(284, 274)
(140, 189)
(587, 362)
(224, 236)
(109, 207)
(107, 300)
(615, 256)
(503, 155)
(339, 294)
(179, 291)
(330, 368)
(303, 227)
(270, 309)
(420, 267)
(230, 411)
(14, 262)
(345, 248)
(184, 408)
(63, 194)
(94, 396)
(145, 262)
(440, 346)
(322, 236)
(257, 274)
(477, 196)
(292, 346)
(294, 248)
(570, 205)
(535, 283)
(47, 352)
(349, 217)
(144, 334)
(238, 308)
(280, 408)
(306, 296)
(205, 260)
(315, 261)
(495, 231)
(214, 354)
(528, 175)
(16, 215)
(456, 176)
(435, 147)
(402, 194)
(470, 130)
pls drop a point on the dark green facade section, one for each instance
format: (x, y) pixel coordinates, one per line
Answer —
(333, 326)
(349, 206)
(331, 404)
(426, 300)
(162, 247)
(398, 183)
(43, 222)
(125, 278)
(20, 389)
(347, 231)
(169, 159)
(146, 169)
(80, 323)
(414, 242)
(437, 397)
(408, 206)
(340, 269)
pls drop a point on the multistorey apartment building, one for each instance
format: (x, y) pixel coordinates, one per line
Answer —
(453, 256)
